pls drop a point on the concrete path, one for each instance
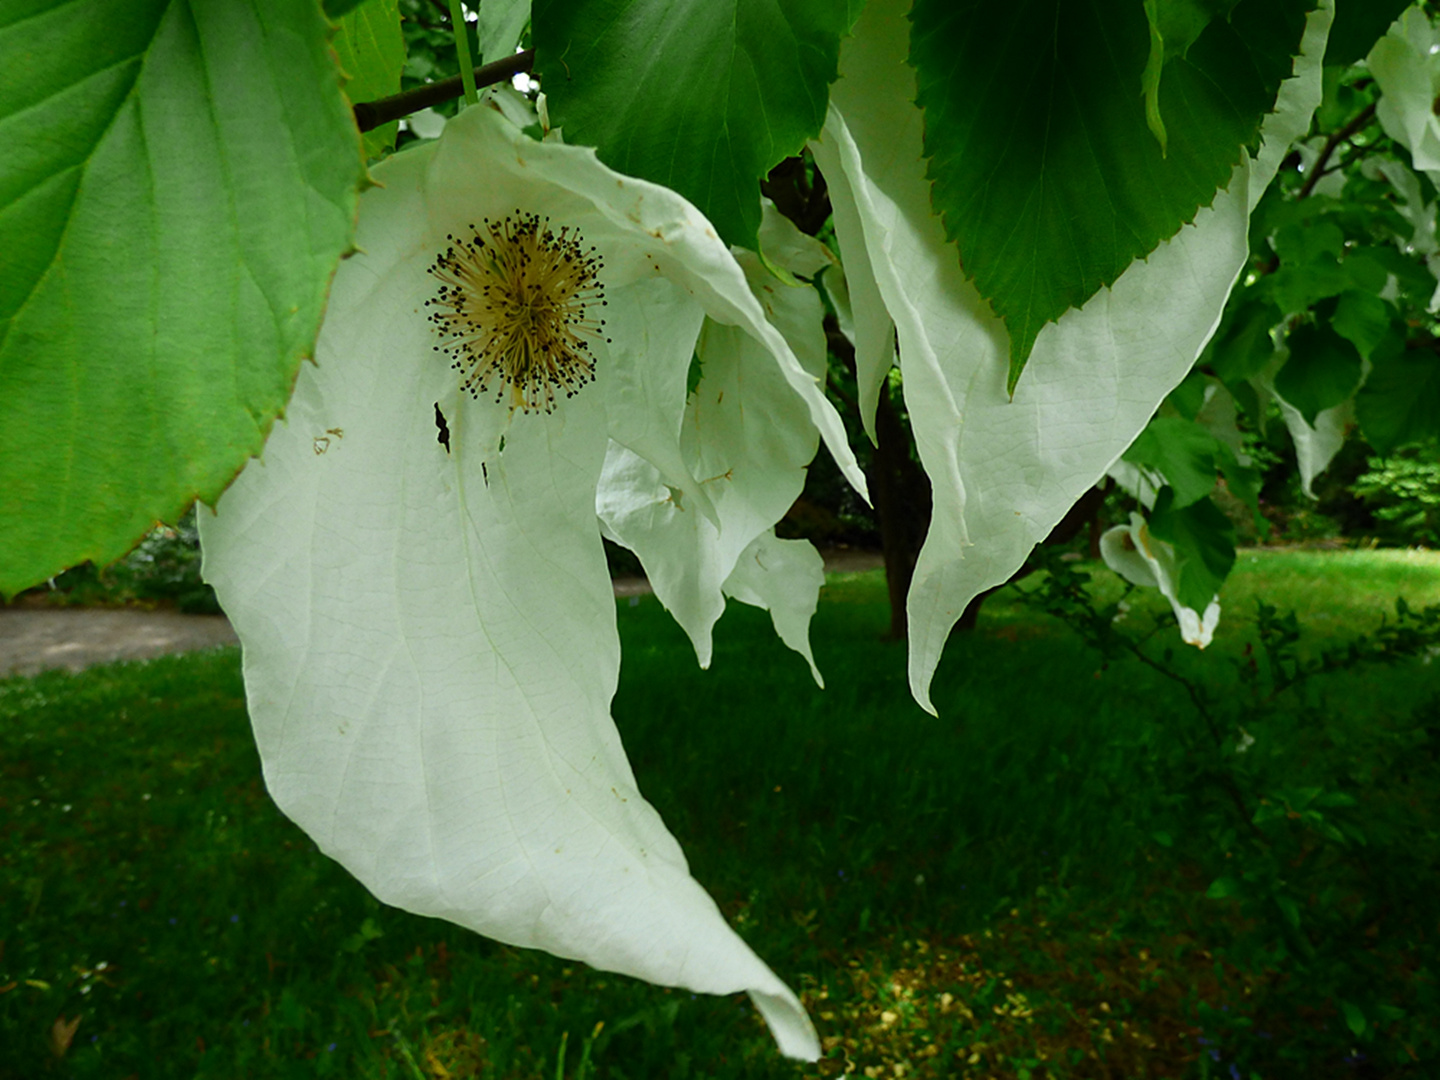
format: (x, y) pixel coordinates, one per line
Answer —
(35, 639)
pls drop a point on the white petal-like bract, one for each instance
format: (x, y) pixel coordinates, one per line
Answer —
(429, 631)
(747, 437)
(1138, 557)
(1005, 471)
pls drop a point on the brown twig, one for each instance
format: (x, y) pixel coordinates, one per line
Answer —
(1363, 117)
(371, 114)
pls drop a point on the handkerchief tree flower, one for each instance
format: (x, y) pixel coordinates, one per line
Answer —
(554, 325)
(421, 531)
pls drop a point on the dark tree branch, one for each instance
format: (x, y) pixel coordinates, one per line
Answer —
(371, 114)
(1363, 117)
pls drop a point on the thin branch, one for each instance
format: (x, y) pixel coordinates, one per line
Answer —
(371, 114)
(1363, 117)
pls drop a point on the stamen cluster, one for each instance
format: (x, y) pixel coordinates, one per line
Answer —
(514, 302)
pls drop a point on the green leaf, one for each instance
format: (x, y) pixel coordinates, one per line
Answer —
(1310, 268)
(1288, 908)
(1174, 26)
(1042, 165)
(1415, 281)
(1367, 272)
(1400, 401)
(1354, 1019)
(1222, 888)
(1358, 25)
(1302, 242)
(1184, 452)
(338, 8)
(703, 96)
(371, 50)
(1244, 347)
(1204, 542)
(1243, 481)
(1364, 320)
(1322, 371)
(168, 243)
(1189, 397)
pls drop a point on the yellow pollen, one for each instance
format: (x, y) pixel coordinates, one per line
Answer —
(513, 310)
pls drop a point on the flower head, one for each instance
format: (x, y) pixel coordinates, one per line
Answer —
(515, 307)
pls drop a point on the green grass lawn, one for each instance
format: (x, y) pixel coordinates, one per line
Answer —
(980, 894)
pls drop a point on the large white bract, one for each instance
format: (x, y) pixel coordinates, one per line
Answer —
(429, 632)
(1005, 471)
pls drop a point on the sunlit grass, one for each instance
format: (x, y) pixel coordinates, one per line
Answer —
(974, 895)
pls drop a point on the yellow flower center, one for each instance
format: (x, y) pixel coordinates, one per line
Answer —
(514, 309)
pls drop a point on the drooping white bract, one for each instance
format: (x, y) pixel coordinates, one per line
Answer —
(748, 438)
(1315, 444)
(1406, 64)
(429, 631)
(1004, 472)
(1137, 556)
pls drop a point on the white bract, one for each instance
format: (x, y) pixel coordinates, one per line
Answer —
(747, 438)
(1406, 64)
(1316, 444)
(429, 631)
(1143, 560)
(1005, 471)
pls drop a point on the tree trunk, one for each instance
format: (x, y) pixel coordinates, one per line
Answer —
(900, 493)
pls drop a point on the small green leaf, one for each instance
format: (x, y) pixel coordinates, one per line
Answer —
(1189, 397)
(1310, 268)
(1414, 279)
(703, 96)
(1268, 811)
(371, 50)
(1400, 401)
(1389, 1013)
(1288, 908)
(1164, 839)
(1305, 242)
(1222, 889)
(168, 244)
(1174, 26)
(1204, 542)
(1184, 452)
(1363, 319)
(1243, 481)
(1244, 347)
(1367, 272)
(1354, 1019)
(1322, 371)
(1043, 166)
